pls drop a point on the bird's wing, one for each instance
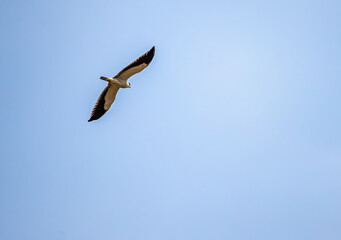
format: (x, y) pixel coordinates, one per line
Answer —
(104, 101)
(137, 66)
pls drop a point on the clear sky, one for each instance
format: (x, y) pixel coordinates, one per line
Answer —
(232, 132)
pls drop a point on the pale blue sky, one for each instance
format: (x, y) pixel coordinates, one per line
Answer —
(232, 132)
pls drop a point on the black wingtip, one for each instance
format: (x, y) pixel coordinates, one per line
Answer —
(148, 56)
(93, 118)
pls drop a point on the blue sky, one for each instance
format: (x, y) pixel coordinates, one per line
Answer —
(232, 132)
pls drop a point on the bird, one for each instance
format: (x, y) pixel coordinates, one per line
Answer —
(108, 95)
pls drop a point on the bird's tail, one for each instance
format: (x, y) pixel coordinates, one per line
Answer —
(105, 78)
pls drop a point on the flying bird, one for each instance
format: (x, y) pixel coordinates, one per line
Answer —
(108, 95)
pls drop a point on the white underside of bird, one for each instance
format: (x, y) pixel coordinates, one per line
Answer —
(122, 83)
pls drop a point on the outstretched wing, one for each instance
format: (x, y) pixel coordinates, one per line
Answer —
(137, 66)
(104, 101)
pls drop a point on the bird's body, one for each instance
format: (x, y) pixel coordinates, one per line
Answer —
(108, 95)
(122, 83)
